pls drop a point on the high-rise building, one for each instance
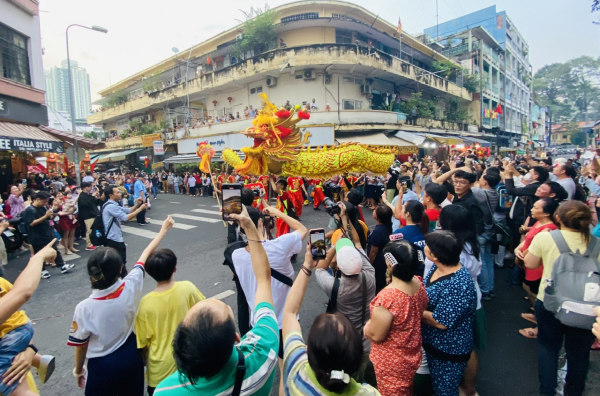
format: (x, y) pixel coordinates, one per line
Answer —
(488, 43)
(57, 91)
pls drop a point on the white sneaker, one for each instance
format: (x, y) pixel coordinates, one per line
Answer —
(45, 274)
(66, 268)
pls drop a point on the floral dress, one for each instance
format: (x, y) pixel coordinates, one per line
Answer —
(397, 359)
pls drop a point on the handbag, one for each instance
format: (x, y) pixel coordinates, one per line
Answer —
(501, 232)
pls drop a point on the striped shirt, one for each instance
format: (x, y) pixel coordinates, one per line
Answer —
(300, 379)
(259, 346)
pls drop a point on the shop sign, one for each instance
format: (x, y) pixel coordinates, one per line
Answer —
(148, 140)
(159, 148)
(407, 150)
(30, 145)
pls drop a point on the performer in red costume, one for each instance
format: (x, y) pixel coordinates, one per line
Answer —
(231, 178)
(295, 188)
(284, 204)
(318, 196)
(255, 185)
(264, 180)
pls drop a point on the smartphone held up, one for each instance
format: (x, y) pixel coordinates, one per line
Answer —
(317, 243)
(232, 200)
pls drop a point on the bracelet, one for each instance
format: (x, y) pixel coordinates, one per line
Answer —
(306, 271)
(82, 373)
(32, 347)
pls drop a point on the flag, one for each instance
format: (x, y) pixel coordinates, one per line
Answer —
(208, 61)
(399, 26)
(499, 109)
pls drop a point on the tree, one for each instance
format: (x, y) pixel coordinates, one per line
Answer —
(456, 111)
(91, 135)
(445, 69)
(258, 32)
(417, 107)
(471, 82)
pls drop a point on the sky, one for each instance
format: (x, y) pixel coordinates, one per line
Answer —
(143, 32)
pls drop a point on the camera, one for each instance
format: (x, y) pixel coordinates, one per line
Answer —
(256, 192)
(331, 207)
(333, 187)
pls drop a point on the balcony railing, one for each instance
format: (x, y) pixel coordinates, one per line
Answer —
(300, 57)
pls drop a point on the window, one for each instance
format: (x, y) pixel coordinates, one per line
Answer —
(255, 90)
(353, 80)
(350, 104)
(298, 76)
(300, 17)
(343, 36)
(14, 60)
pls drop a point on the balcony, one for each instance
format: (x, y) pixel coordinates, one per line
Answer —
(374, 63)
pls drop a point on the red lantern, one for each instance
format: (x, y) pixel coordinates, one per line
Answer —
(229, 99)
(215, 103)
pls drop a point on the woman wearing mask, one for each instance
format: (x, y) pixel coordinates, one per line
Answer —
(574, 218)
(395, 325)
(542, 211)
(377, 240)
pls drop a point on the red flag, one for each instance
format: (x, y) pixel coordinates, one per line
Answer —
(208, 61)
(499, 109)
(399, 26)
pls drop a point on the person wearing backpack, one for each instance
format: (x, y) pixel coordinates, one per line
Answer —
(572, 247)
(88, 210)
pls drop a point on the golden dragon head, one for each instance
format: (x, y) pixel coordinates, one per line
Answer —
(205, 152)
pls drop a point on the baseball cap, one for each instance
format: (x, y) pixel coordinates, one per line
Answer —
(348, 258)
(140, 175)
(407, 164)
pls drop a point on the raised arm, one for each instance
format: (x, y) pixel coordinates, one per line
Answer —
(166, 226)
(27, 282)
(296, 296)
(294, 224)
(349, 226)
(258, 256)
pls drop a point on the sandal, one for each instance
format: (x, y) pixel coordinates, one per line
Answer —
(529, 317)
(530, 332)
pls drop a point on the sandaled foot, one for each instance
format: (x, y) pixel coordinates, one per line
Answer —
(529, 317)
(530, 332)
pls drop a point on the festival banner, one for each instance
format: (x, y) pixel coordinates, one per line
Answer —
(148, 140)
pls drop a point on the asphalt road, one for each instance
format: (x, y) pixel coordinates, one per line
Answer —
(507, 367)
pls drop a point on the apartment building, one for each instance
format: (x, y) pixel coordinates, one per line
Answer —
(336, 53)
(57, 89)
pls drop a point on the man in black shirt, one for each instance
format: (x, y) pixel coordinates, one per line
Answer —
(463, 181)
(390, 187)
(88, 210)
(71, 180)
(37, 219)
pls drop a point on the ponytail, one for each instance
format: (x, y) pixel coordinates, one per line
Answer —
(418, 215)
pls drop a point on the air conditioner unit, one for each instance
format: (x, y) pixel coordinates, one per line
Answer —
(309, 75)
(150, 117)
(238, 37)
(271, 81)
(366, 89)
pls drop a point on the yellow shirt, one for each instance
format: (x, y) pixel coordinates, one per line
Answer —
(543, 246)
(17, 319)
(157, 319)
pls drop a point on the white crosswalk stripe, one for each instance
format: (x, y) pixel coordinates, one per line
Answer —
(213, 212)
(176, 225)
(215, 206)
(224, 294)
(139, 231)
(198, 218)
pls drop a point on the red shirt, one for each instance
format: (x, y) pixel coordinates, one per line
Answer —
(316, 182)
(264, 180)
(535, 274)
(281, 198)
(294, 183)
(198, 180)
(231, 179)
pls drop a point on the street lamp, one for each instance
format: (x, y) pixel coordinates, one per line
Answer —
(72, 97)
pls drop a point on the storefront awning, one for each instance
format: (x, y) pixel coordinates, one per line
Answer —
(404, 147)
(448, 140)
(117, 156)
(481, 142)
(412, 137)
(378, 139)
(29, 138)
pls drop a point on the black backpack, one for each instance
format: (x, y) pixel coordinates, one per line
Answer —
(98, 233)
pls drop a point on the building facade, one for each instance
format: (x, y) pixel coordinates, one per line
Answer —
(57, 89)
(336, 53)
(505, 67)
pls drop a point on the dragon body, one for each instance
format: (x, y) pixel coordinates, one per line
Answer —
(278, 149)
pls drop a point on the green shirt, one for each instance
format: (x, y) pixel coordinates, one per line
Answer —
(259, 346)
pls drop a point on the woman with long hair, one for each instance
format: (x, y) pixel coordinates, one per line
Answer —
(543, 211)
(395, 325)
(574, 218)
(377, 240)
(326, 361)
(417, 225)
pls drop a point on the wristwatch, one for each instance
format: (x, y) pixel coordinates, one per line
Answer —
(32, 347)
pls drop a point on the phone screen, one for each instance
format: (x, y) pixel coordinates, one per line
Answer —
(232, 200)
(317, 244)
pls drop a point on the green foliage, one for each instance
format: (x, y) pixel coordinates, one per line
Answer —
(152, 83)
(570, 89)
(138, 128)
(418, 107)
(456, 111)
(91, 135)
(116, 98)
(579, 139)
(258, 32)
(449, 70)
(471, 82)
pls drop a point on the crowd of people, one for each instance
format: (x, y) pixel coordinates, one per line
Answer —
(406, 299)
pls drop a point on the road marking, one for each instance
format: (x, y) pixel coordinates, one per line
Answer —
(175, 202)
(176, 225)
(139, 231)
(213, 212)
(198, 218)
(216, 206)
(223, 295)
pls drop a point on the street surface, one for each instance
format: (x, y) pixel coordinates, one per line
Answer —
(507, 367)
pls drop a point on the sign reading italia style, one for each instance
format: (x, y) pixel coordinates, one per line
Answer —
(148, 140)
(30, 145)
(159, 148)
